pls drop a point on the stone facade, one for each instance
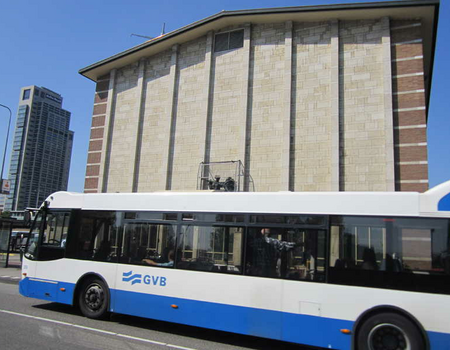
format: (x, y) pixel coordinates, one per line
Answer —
(155, 130)
(266, 110)
(363, 134)
(306, 106)
(312, 96)
(189, 118)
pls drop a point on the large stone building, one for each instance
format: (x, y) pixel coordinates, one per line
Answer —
(323, 98)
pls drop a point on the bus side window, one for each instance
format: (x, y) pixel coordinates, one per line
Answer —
(424, 245)
(395, 253)
(210, 248)
(290, 253)
(358, 243)
(96, 237)
(148, 244)
(307, 261)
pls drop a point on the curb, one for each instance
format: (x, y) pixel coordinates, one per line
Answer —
(9, 279)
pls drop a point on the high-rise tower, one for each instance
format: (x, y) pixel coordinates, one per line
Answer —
(42, 148)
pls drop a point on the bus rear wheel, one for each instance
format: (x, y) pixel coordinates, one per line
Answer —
(389, 331)
(93, 298)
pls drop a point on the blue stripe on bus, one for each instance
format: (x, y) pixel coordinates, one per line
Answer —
(303, 329)
(444, 203)
(439, 340)
(311, 330)
(47, 290)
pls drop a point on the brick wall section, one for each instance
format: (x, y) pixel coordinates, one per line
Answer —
(414, 135)
(95, 145)
(409, 100)
(101, 97)
(94, 158)
(92, 170)
(91, 184)
(157, 106)
(99, 109)
(407, 67)
(98, 121)
(97, 135)
(412, 153)
(408, 83)
(413, 187)
(311, 96)
(409, 118)
(413, 172)
(409, 106)
(403, 31)
(102, 85)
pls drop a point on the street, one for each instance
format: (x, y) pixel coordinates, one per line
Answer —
(35, 324)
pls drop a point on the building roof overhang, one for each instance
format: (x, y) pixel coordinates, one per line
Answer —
(427, 10)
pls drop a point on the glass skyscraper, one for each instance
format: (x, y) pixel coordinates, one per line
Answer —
(42, 149)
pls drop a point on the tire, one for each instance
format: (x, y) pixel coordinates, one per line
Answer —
(389, 331)
(93, 298)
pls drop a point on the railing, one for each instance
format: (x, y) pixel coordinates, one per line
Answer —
(227, 176)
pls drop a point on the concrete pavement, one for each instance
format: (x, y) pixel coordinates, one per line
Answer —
(10, 274)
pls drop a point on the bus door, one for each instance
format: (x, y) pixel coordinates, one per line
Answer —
(303, 265)
(54, 236)
(50, 246)
(143, 244)
(31, 245)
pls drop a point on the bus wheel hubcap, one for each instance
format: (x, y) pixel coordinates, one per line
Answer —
(388, 337)
(94, 297)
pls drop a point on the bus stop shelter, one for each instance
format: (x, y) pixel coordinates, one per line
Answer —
(7, 258)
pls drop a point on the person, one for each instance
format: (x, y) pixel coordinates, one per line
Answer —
(165, 264)
(103, 250)
(369, 259)
(266, 252)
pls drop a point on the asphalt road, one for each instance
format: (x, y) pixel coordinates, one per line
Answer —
(34, 324)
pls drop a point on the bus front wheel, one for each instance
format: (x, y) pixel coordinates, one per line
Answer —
(386, 331)
(93, 298)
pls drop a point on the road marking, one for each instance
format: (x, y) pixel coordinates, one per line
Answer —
(97, 330)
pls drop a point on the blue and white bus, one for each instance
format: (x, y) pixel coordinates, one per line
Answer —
(343, 270)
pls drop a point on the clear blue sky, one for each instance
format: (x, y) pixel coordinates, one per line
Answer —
(46, 42)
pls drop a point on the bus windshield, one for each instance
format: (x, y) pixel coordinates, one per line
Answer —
(32, 241)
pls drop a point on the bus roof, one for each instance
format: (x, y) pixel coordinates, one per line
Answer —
(435, 202)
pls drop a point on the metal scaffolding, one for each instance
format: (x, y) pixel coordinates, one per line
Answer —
(227, 176)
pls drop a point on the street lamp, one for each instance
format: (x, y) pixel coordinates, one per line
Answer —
(6, 143)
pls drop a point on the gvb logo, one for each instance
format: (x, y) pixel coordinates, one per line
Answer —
(146, 279)
(129, 277)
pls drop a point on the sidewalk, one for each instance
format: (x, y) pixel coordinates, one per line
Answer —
(11, 274)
